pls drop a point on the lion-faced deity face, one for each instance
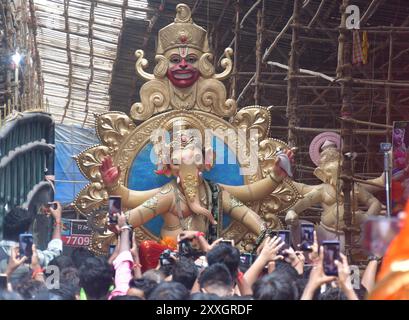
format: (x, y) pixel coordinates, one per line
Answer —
(183, 69)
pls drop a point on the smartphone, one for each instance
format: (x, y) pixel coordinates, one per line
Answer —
(247, 259)
(114, 208)
(378, 234)
(111, 249)
(307, 236)
(26, 246)
(331, 253)
(228, 242)
(3, 282)
(52, 205)
(285, 236)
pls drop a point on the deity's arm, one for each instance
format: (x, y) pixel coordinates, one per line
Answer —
(132, 198)
(256, 191)
(313, 197)
(241, 213)
(160, 203)
(366, 198)
(376, 185)
(303, 189)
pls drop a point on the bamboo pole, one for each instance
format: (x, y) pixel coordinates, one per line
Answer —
(388, 88)
(259, 42)
(293, 66)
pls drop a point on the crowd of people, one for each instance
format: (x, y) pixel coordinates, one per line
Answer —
(218, 272)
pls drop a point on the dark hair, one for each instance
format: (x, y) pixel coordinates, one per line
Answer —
(275, 286)
(17, 221)
(66, 291)
(169, 291)
(154, 275)
(185, 272)
(144, 284)
(204, 296)
(62, 262)
(70, 275)
(32, 290)
(79, 255)
(166, 270)
(126, 298)
(283, 267)
(227, 254)
(332, 294)
(96, 277)
(216, 274)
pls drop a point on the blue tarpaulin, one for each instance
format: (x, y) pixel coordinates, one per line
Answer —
(69, 142)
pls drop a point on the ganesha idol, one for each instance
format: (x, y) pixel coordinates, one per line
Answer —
(184, 188)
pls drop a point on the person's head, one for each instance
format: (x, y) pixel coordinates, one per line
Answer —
(126, 298)
(32, 290)
(169, 291)
(332, 294)
(79, 255)
(154, 275)
(96, 276)
(283, 267)
(141, 287)
(62, 262)
(185, 272)
(275, 286)
(70, 275)
(204, 296)
(216, 279)
(66, 291)
(166, 270)
(226, 254)
(17, 221)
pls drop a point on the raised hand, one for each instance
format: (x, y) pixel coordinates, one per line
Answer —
(110, 173)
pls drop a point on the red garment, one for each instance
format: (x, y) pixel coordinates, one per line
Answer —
(149, 253)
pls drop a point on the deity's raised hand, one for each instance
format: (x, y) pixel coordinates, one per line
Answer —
(283, 164)
(110, 173)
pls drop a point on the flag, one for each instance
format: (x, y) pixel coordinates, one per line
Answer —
(357, 54)
(365, 47)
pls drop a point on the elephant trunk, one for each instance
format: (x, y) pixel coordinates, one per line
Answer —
(189, 179)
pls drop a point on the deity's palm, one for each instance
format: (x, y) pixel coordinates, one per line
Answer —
(110, 173)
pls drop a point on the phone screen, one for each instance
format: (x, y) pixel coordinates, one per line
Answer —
(3, 282)
(331, 253)
(247, 259)
(114, 204)
(285, 236)
(307, 236)
(26, 246)
(111, 249)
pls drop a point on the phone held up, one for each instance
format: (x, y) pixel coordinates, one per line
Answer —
(3, 282)
(26, 246)
(307, 236)
(331, 253)
(114, 208)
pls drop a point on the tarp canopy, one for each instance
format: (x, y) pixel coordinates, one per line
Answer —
(70, 141)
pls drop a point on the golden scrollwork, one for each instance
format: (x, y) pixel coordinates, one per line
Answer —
(253, 117)
(227, 64)
(190, 183)
(91, 197)
(90, 159)
(141, 64)
(111, 127)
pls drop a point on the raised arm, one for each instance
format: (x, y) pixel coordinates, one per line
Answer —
(130, 198)
(160, 203)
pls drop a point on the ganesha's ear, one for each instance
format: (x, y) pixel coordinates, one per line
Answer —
(321, 174)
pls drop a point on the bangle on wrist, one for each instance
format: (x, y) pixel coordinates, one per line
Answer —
(36, 272)
(58, 224)
(126, 227)
(199, 234)
(113, 188)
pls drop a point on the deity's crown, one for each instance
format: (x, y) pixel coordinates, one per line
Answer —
(182, 32)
